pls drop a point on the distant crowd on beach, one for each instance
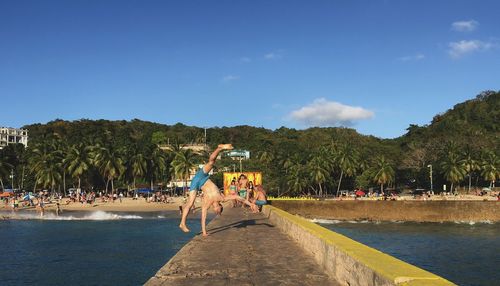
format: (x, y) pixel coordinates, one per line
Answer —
(41, 200)
(390, 195)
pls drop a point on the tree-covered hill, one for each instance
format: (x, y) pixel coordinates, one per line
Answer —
(475, 122)
(461, 144)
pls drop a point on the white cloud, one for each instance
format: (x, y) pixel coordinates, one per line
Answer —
(329, 113)
(465, 26)
(229, 78)
(245, 60)
(273, 55)
(416, 57)
(458, 49)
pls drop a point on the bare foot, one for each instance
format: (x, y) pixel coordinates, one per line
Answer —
(183, 227)
(205, 234)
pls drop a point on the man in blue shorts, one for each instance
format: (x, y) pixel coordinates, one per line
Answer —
(212, 196)
(260, 198)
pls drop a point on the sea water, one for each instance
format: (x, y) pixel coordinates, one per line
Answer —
(465, 253)
(89, 248)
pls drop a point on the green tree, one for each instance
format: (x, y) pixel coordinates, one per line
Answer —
(297, 179)
(347, 160)
(453, 168)
(318, 170)
(490, 168)
(182, 164)
(157, 164)
(78, 161)
(138, 166)
(4, 170)
(383, 172)
(266, 157)
(470, 165)
(46, 163)
(47, 170)
(109, 162)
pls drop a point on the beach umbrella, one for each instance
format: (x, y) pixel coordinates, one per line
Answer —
(359, 193)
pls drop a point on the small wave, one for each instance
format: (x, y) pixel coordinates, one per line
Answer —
(97, 215)
(474, 222)
(325, 221)
(335, 221)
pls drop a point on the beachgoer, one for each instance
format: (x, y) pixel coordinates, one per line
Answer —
(260, 196)
(121, 196)
(201, 182)
(58, 209)
(232, 191)
(41, 207)
(242, 186)
(15, 204)
(251, 191)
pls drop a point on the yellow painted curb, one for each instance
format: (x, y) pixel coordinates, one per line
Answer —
(393, 269)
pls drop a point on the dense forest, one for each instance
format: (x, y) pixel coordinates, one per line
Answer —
(460, 146)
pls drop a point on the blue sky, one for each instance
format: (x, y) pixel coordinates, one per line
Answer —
(376, 66)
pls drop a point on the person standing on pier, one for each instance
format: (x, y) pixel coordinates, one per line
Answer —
(211, 194)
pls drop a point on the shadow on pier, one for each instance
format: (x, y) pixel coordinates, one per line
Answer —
(242, 249)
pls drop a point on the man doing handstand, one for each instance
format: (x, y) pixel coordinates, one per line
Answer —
(211, 194)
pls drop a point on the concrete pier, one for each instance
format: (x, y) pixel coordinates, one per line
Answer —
(242, 249)
(278, 248)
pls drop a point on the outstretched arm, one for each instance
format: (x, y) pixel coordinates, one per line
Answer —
(211, 160)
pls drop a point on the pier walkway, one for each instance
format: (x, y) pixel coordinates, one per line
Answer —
(242, 249)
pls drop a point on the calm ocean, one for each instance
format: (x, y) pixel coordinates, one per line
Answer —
(466, 254)
(89, 248)
(104, 248)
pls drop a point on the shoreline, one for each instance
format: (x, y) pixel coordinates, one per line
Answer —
(128, 205)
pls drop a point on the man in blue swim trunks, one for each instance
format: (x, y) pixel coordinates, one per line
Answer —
(260, 196)
(211, 195)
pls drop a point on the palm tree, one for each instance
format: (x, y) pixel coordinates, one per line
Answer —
(346, 159)
(288, 161)
(157, 164)
(110, 164)
(470, 165)
(182, 164)
(46, 163)
(318, 171)
(490, 168)
(138, 166)
(4, 170)
(296, 179)
(62, 149)
(266, 157)
(384, 173)
(453, 168)
(78, 161)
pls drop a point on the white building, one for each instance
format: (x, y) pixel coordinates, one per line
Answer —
(13, 136)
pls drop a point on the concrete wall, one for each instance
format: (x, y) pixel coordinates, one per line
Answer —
(348, 261)
(422, 211)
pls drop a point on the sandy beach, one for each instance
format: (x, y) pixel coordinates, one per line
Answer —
(127, 205)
